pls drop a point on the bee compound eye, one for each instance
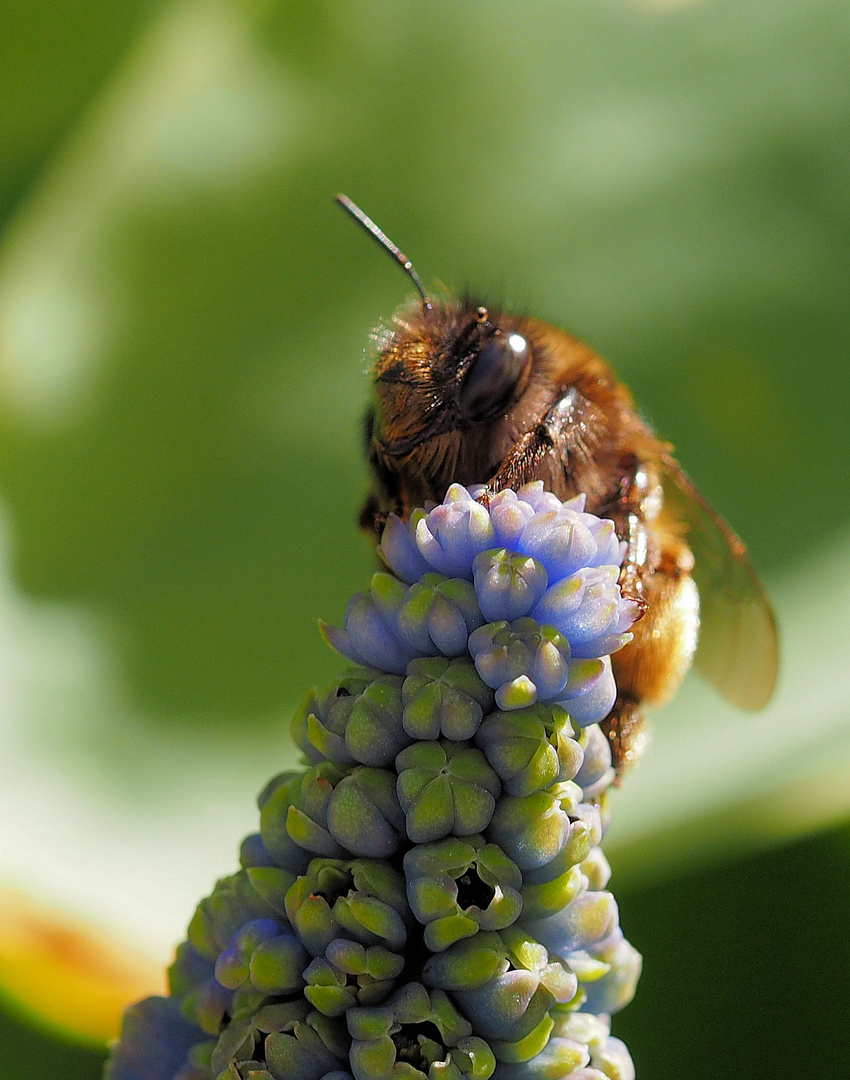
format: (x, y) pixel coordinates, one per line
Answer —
(493, 375)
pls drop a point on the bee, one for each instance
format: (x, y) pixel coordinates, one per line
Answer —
(466, 393)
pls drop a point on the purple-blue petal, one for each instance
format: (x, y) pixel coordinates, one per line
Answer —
(589, 699)
(399, 551)
(155, 1039)
(560, 540)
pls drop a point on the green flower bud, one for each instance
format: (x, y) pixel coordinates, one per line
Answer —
(549, 888)
(198, 1062)
(318, 728)
(445, 788)
(540, 901)
(531, 748)
(208, 1005)
(307, 816)
(589, 919)
(271, 884)
(244, 1070)
(437, 615)
(505, 983)
(359, 720)
(189, 970)
(596, 869)
(444, 697)
(374, 733)
(289, 1040)
(413, 1036)
(234, 964)
(364, 815)
(579, 1048)
(362, 900)
(351, 975)
(277, 965)
(287, 792)
(534, 830)
(609, 1058)
(457, 887)
(232, 903)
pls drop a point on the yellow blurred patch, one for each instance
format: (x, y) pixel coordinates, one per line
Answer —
(65, 973)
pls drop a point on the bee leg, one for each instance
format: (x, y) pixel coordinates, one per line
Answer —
(649, 669)
(558, 437)
(372, 518)
(521, 464)
(627, 733)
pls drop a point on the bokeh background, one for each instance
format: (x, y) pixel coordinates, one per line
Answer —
(183, 320)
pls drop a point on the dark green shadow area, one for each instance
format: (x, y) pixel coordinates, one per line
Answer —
(31, 1053)
(746, 967)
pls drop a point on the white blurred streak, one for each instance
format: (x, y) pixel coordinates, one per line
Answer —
(122, 822)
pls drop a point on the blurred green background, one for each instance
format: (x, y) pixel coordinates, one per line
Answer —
(183, 323)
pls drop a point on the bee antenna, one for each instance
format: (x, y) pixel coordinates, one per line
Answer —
(381, 237)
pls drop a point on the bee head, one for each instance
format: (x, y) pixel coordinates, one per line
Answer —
(449, 366)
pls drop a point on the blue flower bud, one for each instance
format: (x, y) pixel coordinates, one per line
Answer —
(253, 852)
(451, 535)
(522, 661)
(507, 585)
(290, 1040)
(155, 1041)
(590, 691)
(597, 772)
(232, 903)
(589, 611)
(614, 986)
(399, 551)
(367, 637)
(232, 967)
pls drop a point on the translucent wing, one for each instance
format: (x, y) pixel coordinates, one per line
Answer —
(738, 650)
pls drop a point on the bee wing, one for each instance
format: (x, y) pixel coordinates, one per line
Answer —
(738, 649)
